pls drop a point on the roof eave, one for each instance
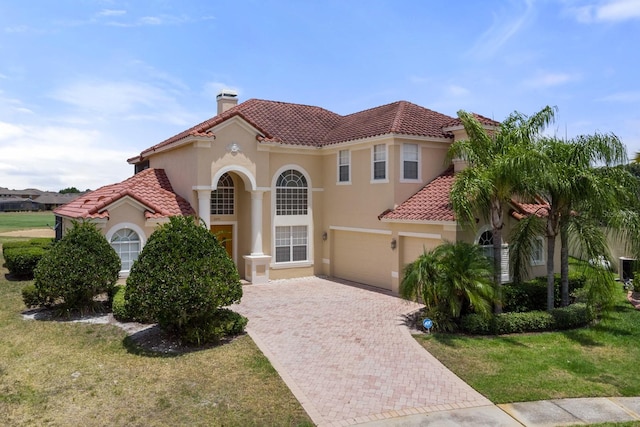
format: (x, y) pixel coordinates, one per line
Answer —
(419, 221)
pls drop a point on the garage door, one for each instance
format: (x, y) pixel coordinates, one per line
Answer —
(362, 257)
(413, 247)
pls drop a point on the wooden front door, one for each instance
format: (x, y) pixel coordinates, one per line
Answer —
(224, 234)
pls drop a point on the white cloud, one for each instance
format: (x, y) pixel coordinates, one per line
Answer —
(17, 29)
(55, 157)
(505, 26)
(110, 97)
(150, 20)
(9, 131)
(607, 11)
(457, 91)
(112, 12)
(548, 79)
(630, 96)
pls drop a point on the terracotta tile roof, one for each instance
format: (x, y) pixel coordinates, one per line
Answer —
(520, 210)
(307, 125)
(482, 119)
(150, 187)
(431, 203)
(400, 117)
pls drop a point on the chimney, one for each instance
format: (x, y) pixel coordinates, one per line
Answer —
(227, 99)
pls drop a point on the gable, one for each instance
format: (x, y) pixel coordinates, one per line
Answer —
(150, 189)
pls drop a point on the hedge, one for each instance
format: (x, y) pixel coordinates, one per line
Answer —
(573, 316)
(22, 261)
(532, 294)
(43, 242)
(21, 257)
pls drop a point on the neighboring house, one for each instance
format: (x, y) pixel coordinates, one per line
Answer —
(32, 199)
(295, 190)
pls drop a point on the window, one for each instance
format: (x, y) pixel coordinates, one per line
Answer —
(379, 162)
(222, 196)
(291, 243)
(126, 243)
(291, 193)
(537, 251)
(486, 243)
(344, 166)
(410, 162)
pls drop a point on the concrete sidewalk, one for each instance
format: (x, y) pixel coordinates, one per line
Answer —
(544, 413)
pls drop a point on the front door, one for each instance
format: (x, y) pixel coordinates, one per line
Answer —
(224, 234)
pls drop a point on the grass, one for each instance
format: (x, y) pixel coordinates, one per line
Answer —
(598, 361)
(12, 221)
(58, 373)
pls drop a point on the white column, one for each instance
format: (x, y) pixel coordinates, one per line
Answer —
(204, 206)
(256, 222)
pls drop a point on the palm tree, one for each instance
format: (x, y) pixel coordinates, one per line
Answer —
(577, 199)
(496, 160)
(451, 279)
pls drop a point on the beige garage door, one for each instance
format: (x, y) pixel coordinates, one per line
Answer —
(362, 257)
(413, 247)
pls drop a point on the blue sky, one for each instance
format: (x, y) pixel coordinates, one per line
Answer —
(86, 84)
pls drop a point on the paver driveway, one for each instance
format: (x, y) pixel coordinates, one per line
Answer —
(345, 353)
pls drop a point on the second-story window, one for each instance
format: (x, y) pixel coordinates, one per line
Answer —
(410, 162)
(344, 166)
(379, 162)
(291, 193)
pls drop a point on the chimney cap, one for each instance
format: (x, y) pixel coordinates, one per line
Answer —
(227, 93)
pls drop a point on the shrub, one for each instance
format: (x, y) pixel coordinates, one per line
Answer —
(30, 296)
(21, 257)
(573, 316)
(77, 268)
(475, 324)
(532, 321)
(22, 261)
(181, 279)
(118, 306)
(532, 294)
(42, 242)
(223, 322)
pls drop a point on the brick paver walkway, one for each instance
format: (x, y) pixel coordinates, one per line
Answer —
(345, 353)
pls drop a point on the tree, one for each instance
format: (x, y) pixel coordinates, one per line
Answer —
(577, 199)
(182, 279)
(451, 280)
(77, 268)
(69, 190)
(496, 161)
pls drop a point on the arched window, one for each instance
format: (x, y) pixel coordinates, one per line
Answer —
(486, 242)
(291, 193)
(126, 243)
(223, 196)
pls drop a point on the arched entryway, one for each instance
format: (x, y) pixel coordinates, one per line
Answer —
(232, 208)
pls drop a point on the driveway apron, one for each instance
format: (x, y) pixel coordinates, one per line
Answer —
(345, 353)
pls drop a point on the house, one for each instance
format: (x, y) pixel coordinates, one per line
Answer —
(296, 190)
(32, 200)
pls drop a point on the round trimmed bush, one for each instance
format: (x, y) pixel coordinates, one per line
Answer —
(77, 268)
(181, 280)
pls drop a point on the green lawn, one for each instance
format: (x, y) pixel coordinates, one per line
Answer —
(11, 221)
(598, 361)
(56, 373)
